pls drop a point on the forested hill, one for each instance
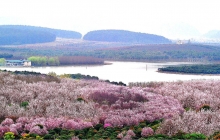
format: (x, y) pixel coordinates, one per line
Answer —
(14, 36)
(20, 34)
(57, 32)
(125, 36)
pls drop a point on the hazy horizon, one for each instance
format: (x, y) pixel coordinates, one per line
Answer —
(170, 18)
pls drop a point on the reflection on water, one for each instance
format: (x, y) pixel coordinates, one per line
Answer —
(119, 71)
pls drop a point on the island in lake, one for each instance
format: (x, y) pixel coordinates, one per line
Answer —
(193, 69)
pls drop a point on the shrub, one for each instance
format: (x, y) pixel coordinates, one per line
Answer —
(9, 136)
(157, 136)
(147, 131)
(194, 136)
(7, 122)
(204, 107)
(214, 136)
(24, 104)
(3, 130)
(107, 125)
(205, 122)
(52, 74)
(80, 99)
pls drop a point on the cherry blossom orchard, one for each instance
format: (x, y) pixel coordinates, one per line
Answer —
(35, 105)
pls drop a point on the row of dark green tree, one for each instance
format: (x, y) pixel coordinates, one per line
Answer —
(193, 69)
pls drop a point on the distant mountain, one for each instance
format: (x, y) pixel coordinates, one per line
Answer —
(20, 34)
(214, 34)
(57, 32)
(125, 36)
(179, 31)
(14, 36)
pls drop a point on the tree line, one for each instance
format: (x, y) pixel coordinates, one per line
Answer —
(2, 61)
(44, 61)
(64, 60)
(69, 60)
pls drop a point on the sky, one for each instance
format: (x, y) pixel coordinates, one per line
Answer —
(170, 18)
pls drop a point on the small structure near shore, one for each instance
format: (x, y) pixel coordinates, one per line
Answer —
(25, 63)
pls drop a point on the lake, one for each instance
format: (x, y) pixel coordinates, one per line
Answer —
(120, 71)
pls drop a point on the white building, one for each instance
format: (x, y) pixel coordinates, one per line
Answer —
(25, 63)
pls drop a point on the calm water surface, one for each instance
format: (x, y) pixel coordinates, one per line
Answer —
(120, 71)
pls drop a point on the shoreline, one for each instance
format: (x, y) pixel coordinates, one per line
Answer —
(105, 63)
(182, 73)
(161, 61)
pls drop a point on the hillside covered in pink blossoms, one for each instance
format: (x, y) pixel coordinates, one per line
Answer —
(37, 104)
